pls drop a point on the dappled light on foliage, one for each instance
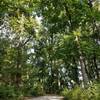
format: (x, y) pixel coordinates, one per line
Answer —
(50, 47)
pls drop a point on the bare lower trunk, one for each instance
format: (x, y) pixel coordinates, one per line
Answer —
(96, 67)
(18, 67)
(84, 74)
(82, 63)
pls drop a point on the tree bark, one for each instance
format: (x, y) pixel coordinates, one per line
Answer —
(81, 60)
(96, 67)
(18, 67)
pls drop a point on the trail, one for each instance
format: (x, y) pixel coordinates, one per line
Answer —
(47, 98)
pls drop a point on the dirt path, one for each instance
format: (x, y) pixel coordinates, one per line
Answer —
(47, 98)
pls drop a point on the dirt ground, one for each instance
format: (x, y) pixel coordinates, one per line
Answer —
(47, 98)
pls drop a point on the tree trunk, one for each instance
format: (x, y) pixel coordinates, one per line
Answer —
(81, 60)
(96, 67)
(18, 67)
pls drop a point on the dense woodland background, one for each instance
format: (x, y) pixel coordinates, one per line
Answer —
(50, 47)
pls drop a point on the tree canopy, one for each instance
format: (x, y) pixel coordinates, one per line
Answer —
(49, 47)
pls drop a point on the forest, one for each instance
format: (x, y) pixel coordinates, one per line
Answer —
(50, 47)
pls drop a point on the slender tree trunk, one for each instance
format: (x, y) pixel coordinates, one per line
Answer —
(76, 70)
(84, 74)
(81, 60)
(96, 67)
(18, 67)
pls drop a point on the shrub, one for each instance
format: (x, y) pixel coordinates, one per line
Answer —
(37, 90)
(91, 93)
(8, 92)
(34, 90)
(64, 92)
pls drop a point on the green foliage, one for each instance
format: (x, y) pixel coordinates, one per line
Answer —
(46, 44)
(8, 92)
(33, 90)
(64, 92)
(91, 93)
(37, 90)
